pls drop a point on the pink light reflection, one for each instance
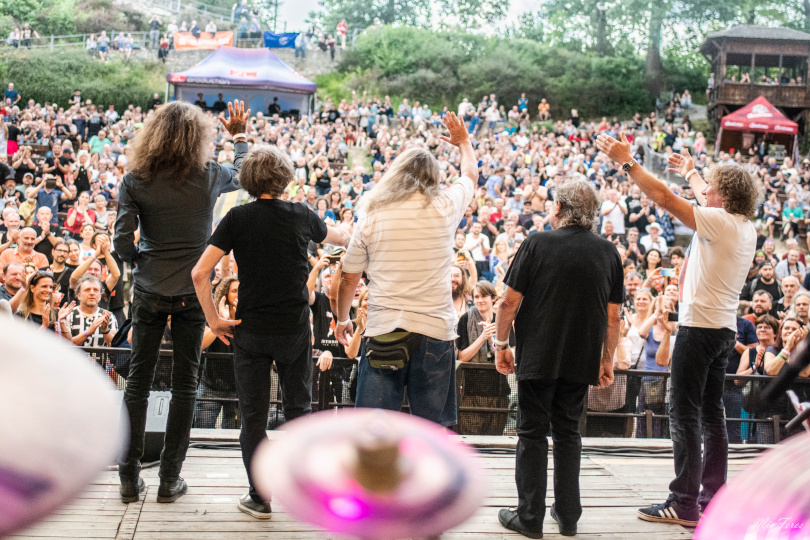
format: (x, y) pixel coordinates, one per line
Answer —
(348, 508)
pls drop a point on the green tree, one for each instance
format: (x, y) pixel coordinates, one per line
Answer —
(472, 13)
(360, 14)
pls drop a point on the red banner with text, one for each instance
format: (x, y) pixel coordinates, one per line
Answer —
(185, 41)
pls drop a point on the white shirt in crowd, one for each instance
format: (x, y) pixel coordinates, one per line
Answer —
(407, 250)
(473, 245)
(660, 244)
(715, 269)
(616, 216)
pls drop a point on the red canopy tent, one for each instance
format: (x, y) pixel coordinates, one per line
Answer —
(759, 116)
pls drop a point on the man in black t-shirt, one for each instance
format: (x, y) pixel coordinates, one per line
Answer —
(201, 102)
(61, 270)
(274, 108)
(567, 331)
(269, 239)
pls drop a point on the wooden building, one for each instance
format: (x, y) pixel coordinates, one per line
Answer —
(749, 61)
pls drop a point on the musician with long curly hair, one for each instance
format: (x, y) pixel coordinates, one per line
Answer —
(169, 194)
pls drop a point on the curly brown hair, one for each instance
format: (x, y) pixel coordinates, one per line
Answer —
(739, 189)
(266, 170)
(176, 139)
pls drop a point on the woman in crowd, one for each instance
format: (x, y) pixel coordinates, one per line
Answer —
(649, 263)
(217, 391)
(335, 202)
(772, 361)
(353, 350)
(88, 234)
(347, 217)
(481, 388)
(37, 305)
(771, 211)
(752, 360)
(80, 214)
(322, 209)
(499, 258)
(656, 331)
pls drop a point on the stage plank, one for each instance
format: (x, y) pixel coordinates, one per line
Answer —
(613, 487)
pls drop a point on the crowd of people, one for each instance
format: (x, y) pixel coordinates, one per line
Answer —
(64, 165)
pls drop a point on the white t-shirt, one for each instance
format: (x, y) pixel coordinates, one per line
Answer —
(407, 250)
(474, 247)
(715, 269)
(616, 216)
(660, 244)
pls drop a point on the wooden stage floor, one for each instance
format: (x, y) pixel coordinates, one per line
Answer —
(612, 487)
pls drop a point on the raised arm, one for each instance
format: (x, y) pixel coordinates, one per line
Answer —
(236, 125)
(460, 138)
(657, 191)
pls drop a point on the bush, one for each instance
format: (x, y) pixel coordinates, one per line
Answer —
(53, 76)
(442, 68)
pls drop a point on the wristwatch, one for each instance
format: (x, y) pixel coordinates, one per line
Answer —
(629, 165)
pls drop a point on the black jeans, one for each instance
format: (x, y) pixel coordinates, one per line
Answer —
(253, 357)
(149, 315)
(558, 404)
(696, 413)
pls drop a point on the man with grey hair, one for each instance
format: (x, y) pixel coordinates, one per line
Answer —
(714, 272)
(801, 306)
(567, 330)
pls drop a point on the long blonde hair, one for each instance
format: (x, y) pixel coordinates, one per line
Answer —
(175, 139)
(414, 171)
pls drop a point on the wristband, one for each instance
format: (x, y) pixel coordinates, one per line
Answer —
(785, 353)
(86, 333)
(240, 137)
(344, 323)
(690, 174)
(499, 343)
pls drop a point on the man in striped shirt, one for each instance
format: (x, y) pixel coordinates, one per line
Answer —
(404, 243)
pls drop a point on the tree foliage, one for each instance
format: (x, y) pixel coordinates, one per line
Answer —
(441, 68)
(51, 77)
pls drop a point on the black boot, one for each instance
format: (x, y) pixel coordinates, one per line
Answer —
(131, 489)
(171, 489)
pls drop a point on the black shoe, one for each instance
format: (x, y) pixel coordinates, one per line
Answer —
(509, 519)
(252, 508)
(171, 490)
(671, 512)
(131, 489)
(565, 531)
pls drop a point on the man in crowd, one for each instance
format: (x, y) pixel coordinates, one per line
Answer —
(478, 246)
(801, 306)
(61, 270)
(653, 239)
(613, 210)
(90, 325)
(272, 316)
(92, 266)
(559, 356)
(632, 281)
(24, 252)
(765, 281)
(719, 257)
(409, 301)
(790, 286)
(13, 275)
(790, 266)
(761, 304)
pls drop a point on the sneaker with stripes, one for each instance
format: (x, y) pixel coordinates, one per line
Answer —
(670, 512)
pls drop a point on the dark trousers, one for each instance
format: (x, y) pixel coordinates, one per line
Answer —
(149, 315)
(253, 357)
(558, 404)
(696, 413)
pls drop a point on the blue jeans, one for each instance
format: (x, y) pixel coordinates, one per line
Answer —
(302, 51)
(149, 315)
(696, 413)
(732, 399)
(543, 404)
(253, 357)
(430, 378)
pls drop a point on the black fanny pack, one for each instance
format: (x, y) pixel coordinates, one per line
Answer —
(392, 350)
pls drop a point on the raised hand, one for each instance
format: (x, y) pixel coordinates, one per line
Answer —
(64, 311)
(237, 121)
(618, 151)
(458, 133)
(681, 163)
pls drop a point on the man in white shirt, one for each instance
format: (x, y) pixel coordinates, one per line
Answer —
(613, 210)
(791, 266)
(410, 299)
(653, 239)
(714, 272)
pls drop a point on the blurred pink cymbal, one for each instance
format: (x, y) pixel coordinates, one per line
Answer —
(371, 473)
(60, 423)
